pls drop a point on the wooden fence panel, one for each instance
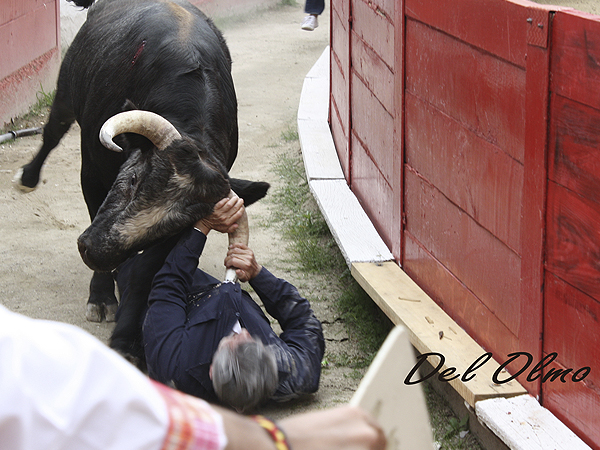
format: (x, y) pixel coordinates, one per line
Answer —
(447, 117)
(339, 115)
(458, 301)
(372, 112)
(575, 161)
(367, 179)
(374, 73)
(496, 27)
(573, 239)
(374, 28)
(487, 268)
(371, 124)
(572, 330)
(576, 57)
(466, 114)
(469, 170)
(572, 300)
(479, 90)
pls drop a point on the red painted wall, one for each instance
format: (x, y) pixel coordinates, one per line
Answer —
(472, 140)
(572, 288)
(29, 44)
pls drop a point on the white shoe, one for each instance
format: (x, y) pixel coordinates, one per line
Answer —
(310, 23)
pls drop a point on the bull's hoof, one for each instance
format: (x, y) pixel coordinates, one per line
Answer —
(110, 312)
(94, 313)
(18, 181)
(98, 313)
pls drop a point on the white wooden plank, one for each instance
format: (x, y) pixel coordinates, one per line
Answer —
(351, 227)
(523, 424)
(314, 98)
(321, 68)
(314, 104)
(318, 150)
(400, 409)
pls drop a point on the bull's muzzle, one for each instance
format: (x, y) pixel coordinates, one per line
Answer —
(103, 261)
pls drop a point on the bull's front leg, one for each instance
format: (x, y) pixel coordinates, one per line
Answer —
(134, 280)
(102, 303)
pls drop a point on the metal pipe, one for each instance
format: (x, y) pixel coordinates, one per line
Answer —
(20, 133)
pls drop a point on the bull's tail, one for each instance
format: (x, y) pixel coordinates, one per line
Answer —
(82, 3)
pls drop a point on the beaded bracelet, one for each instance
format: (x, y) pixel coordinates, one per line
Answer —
(274, 431)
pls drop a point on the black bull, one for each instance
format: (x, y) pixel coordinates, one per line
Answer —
(161, 56)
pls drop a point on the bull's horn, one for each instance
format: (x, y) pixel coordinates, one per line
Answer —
(239, 236)
(159, 130)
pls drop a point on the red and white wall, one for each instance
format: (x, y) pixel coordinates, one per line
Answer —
(30, 48)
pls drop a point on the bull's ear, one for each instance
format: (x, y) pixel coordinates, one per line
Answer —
(209, 176)
(250, 191)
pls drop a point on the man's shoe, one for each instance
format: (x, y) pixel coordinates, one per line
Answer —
(310, 23)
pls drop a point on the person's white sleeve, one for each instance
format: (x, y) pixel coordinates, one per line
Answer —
(60, 388)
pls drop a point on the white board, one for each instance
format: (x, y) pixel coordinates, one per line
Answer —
(400, 409)
(351, 227)
(523, 424)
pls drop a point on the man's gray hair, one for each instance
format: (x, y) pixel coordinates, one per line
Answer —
(244, 376)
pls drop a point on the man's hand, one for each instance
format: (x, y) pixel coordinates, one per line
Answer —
(241, 257)
(341, 428)
(226, 213)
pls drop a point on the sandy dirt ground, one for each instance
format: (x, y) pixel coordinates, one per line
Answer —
(41, 273)
(588, 6)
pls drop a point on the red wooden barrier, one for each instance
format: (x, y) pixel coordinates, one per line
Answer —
(29, 33)
(440, 117)
(572, 299)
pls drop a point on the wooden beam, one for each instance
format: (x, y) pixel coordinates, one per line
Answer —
(432, 330)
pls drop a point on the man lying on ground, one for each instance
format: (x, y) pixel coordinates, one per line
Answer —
(211, 340)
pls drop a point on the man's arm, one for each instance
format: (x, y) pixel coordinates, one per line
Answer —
(302, 331)
(164, 324)
(302, 334)
(61, 388)
(64, 389)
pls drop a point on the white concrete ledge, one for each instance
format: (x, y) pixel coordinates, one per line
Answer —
(351, 227)
(519, 421)
(523, 424)
(353, 231)
(319, 161)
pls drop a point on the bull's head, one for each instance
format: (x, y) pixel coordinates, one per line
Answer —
(156, 194)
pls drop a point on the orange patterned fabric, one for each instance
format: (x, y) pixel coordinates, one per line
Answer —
(193, 424)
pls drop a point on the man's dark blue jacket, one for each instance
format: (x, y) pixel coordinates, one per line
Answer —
(190, 312)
